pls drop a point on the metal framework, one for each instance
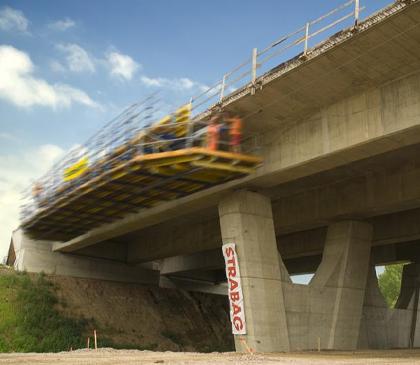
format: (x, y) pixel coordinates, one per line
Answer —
(129, 165)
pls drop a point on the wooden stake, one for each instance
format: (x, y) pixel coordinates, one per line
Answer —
(248, 349)
(96, 342)
(319, 344)
(88, 343)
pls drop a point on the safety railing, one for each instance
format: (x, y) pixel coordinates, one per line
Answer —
(247, 72)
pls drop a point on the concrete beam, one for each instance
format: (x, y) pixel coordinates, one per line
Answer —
(193, 285)
(391, 231)
(376, 193)
(159, 242)
(201, 261)
(303, 265)
(37, 256)
(154, 243)
(210, 277)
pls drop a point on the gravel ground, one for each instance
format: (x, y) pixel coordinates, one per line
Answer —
(110, 356)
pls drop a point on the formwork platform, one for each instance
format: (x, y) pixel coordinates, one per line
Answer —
(141, 182)
(132, 163)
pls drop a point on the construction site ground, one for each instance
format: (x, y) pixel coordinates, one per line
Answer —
(110, 356)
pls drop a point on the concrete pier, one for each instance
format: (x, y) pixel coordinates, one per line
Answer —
(339, 283)
(246, 220)
(383, 327)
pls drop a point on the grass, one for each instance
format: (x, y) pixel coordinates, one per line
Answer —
(29, 321)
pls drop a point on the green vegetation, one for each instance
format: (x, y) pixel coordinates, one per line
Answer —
(390, 283)
(29, 321)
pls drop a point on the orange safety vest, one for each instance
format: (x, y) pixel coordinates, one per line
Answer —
(235, 125)
(213, 136)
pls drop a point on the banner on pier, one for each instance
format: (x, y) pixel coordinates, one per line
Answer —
(236, 299)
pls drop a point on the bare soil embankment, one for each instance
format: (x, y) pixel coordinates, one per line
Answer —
(148, 317)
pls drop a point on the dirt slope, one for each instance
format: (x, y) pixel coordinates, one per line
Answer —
(148, 317)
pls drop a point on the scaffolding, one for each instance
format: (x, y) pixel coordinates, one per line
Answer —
(133, 163)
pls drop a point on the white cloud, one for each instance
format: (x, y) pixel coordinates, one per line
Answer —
(178, 84)
(8, 137)
(19, 169)
(20, 87)
(78, 60)
(62, 24)
(56, 66)
(121, 65)
(158, 82)
(66, 94)
(13, 20)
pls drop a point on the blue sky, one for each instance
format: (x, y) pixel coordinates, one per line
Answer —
(67, 67)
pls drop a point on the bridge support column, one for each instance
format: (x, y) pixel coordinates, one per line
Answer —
(341, 280)
(409, 299)
(410, 281)
(399, 327)
(246, 220)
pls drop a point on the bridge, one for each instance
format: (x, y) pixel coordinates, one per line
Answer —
(337, 128)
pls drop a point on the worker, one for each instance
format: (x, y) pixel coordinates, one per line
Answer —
(36, 192)
(235, 133)
(213, 133)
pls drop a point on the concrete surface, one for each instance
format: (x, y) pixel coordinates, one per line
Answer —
(327, 312)
(382, 327)
(246, 220)
(37, 256)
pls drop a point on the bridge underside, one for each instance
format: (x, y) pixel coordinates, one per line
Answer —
(338, 224)
(337, 195)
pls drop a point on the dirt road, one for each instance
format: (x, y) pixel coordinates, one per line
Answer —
(110, 356)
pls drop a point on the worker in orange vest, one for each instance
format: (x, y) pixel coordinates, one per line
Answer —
(235, 133)
(213, 133)
(37, 190)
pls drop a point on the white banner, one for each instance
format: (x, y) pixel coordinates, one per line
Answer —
(236, 298)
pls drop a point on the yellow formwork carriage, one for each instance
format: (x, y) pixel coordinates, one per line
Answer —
(142, 181)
